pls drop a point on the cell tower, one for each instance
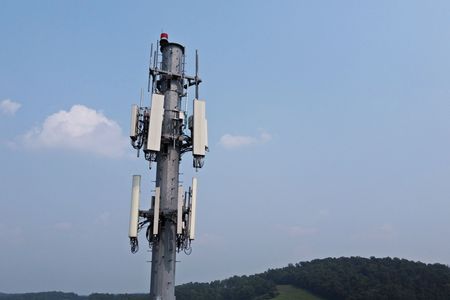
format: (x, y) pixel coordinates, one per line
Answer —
(162, 132)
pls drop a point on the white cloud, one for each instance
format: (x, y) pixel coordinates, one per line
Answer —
(9, 107)
(230, 141)
(81, 129)
(234, 141)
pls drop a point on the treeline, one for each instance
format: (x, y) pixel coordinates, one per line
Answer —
(72, 296)
(353, 278)
(42, 296)
(362, 278)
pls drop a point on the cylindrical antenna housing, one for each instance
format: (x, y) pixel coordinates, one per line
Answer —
(172, 58)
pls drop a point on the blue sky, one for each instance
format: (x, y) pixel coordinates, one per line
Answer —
(329, 127)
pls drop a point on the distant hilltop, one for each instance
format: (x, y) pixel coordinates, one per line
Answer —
(330, 278)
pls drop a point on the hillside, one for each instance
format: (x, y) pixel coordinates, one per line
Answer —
(331, 278)
(362, 278)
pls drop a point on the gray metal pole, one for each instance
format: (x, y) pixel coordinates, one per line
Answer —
(162, 286)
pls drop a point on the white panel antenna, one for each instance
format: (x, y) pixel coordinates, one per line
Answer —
(200, 131)
(180, 210)
(155, 123)
(133, 125)
(134, 211)
(193, 209)
(156, 210)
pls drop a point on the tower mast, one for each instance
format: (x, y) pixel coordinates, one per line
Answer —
(167, 174)
(161, 132)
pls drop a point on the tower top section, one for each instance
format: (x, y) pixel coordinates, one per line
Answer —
(168, 85)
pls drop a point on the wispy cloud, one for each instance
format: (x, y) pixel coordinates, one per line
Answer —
(230, 141)
(9, 107)
(383, 232)
(324, 213)
(63, 226)
(210, 240)
(81, 129)
(297, 231)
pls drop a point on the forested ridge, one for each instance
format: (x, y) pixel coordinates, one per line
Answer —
(362, 278)
(330, 278)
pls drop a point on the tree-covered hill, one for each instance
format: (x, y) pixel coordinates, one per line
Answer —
(335, 279)
(342, 278)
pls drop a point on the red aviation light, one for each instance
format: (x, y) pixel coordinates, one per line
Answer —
(164, 37)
